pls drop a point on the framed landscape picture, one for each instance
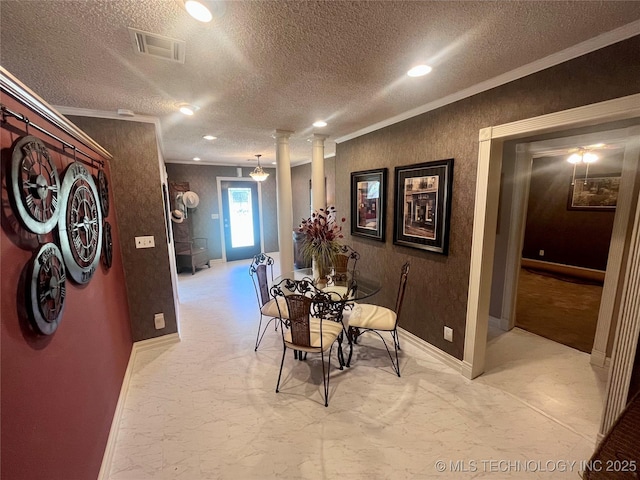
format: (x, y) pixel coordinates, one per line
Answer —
(595, 193)
(423, 205)
(368, 199)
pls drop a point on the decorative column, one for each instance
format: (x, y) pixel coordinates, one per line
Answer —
(318, 187)
(285, 202)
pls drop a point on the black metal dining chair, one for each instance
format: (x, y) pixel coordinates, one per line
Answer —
(345, 263)
(311, 324)
(366, 317)
(261, 272)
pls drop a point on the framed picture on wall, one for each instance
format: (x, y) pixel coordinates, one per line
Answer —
(594, 193)
(368, 199)
(423, 205)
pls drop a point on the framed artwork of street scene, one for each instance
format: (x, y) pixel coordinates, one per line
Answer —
(423, 205)
(368, 199)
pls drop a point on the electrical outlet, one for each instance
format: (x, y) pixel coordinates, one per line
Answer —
(541, 253)
(158, 320)
(448, 334)
(145, 242)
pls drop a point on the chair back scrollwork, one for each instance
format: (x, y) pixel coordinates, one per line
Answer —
(258, 271)
(303, 301)
(345, 262)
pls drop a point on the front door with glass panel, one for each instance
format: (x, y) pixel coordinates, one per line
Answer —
(241, 219)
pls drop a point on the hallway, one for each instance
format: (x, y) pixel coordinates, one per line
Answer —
(206, 407)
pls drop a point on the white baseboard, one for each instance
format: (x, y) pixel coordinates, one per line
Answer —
(466, 370)
(432, 350)
(598, 358)
(141, 346)
(216, 260)
(501, 323)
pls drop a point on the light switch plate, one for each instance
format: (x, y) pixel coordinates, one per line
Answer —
(448, 334)
(158, 321)
(145, 242)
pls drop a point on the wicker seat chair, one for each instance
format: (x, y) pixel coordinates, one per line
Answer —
(312, 325)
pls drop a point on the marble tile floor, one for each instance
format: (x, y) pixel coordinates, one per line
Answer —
(206, 407)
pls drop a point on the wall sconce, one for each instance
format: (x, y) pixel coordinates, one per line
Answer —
(581, 156)
(258, 174)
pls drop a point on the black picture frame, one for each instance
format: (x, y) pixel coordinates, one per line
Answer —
(422, 207)
(597, 193)
(368, 202)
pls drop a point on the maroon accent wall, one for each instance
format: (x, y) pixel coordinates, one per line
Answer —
(579, 238)
(58, 392)
(438, 285)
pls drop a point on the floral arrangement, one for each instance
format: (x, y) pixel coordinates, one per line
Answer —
(321, 233)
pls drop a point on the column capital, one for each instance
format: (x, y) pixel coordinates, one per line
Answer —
(320, 136)
(282, 133)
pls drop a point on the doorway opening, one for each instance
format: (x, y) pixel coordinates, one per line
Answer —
(620, 301)
(241, 219)
(568, 216)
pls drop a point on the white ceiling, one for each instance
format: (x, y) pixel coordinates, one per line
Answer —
(267, 65)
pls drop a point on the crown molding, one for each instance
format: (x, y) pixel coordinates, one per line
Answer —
(88, 112)
(596, 43)
(15, 88)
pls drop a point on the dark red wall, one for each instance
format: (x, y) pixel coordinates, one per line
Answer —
(58, 392)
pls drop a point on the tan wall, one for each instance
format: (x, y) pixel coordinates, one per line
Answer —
(300, 178)
(438, 285)
(203, 180)
(139, 206)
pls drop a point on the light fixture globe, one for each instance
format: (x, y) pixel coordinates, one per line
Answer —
(589, 157)
(258, 174)
(574, 158)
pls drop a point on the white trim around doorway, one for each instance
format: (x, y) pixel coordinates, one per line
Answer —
(484, 235)
(219, 180)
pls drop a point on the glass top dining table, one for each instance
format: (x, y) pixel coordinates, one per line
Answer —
(343, 290)
(352, 287)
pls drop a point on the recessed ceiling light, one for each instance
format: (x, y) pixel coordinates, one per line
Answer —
(198, 10)
(196, 159)
(209, 137)
(273, 163)
(187, 109)
(419, 70)
(319, 123)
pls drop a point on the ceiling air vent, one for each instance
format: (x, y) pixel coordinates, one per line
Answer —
(146, 43)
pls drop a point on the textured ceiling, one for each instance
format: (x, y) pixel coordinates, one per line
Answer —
(267, 65)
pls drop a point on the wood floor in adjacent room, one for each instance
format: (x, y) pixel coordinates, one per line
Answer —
(206, 407)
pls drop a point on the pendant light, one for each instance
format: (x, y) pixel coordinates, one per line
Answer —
(258, 174)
